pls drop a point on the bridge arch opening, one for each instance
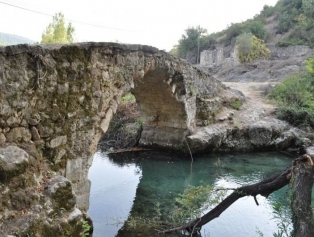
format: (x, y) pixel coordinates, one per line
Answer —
(155, 105)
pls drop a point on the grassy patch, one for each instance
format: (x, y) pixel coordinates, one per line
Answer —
(236, 104)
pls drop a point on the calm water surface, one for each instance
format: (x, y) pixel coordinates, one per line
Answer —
(130, 184)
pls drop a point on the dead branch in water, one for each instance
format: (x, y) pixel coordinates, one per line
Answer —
(263, 188)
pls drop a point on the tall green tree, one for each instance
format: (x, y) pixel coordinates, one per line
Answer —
(57, 31)
(189, 40)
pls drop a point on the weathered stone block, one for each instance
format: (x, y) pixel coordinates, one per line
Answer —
(13, 162)
(33, 119)
(60, 190)
(43, 131)
(105, 122)
(58, 141)
(285, 140)
(2, 138)
(76, 214)
(13, 122)
(62, 89)
(259, 136)
(18, 134)
(35, 134)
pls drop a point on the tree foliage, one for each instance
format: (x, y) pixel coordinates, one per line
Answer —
(257, 29)
(57, 31)
(189, 41)
(297, 18)
(308, 8)
(267, 11)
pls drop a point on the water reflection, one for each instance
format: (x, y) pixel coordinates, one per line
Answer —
(130, 184)
(112, 193)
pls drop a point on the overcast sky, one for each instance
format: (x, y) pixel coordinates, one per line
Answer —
(158, 23)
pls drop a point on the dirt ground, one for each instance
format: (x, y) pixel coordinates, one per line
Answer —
(256, 104)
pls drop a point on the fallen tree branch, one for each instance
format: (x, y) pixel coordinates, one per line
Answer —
(263, 188)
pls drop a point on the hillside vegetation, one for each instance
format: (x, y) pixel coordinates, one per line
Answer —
(295, 97)
(289, 22)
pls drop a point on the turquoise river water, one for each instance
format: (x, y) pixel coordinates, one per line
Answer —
(130, 183)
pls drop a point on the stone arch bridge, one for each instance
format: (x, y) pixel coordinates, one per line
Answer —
(62, 97)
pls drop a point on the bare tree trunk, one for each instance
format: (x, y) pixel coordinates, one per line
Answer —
(301, 185)
(266, 187)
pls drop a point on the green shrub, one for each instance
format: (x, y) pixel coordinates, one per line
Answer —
(129, 98)
(295, 95)
(233, 31)
(296, 115)
(268, 11)
(257, 29)
(295, 91)
(310, 65)
(251, 48)
(284, 43)
(236, 104)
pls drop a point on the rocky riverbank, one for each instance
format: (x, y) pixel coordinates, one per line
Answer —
(251, 127)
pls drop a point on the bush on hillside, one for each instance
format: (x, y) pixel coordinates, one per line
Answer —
(232, 32)
(295, 97)
(296, 116)
(267, 11)
(310, 65)
(251, 48)
(257, 29)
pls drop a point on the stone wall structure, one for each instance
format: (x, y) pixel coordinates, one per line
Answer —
(56, 101)
(224, 64)
(225, 57)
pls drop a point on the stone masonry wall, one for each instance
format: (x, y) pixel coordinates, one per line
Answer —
(226, 57)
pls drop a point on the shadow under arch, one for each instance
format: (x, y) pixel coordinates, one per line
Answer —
(162, 108)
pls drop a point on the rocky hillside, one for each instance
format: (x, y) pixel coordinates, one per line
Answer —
(283, 62)
(287, 30)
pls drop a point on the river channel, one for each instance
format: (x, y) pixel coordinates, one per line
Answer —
(130, 184)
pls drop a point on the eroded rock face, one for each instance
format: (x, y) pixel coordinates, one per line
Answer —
(265, 134)
(283, 62)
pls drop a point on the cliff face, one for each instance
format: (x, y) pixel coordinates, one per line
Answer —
(223, 63)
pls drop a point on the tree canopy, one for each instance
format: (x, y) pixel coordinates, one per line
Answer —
(57, 31)
(189, 41)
